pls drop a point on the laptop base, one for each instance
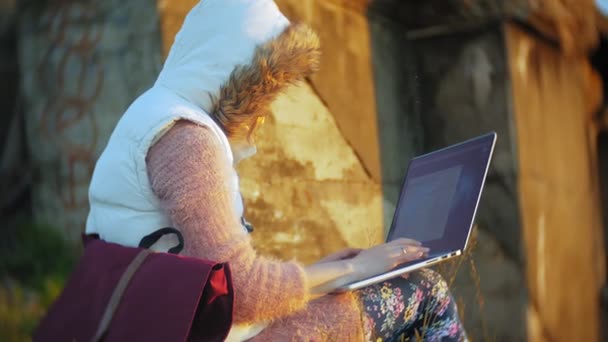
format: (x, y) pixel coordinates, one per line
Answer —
(396, 272)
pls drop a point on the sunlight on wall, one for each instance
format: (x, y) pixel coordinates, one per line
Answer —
(554, 99)
(306, 189)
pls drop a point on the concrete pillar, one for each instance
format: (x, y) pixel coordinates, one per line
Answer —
(82, 63)
(554, 100)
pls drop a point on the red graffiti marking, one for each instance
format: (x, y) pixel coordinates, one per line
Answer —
(77, 159)
(70, 99)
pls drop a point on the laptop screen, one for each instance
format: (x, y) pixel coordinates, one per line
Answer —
(440, 194)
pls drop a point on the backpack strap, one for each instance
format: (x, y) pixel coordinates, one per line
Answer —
(150, 239)
(119, 290)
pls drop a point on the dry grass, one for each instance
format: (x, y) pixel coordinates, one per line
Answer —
(452, 268)
(449, 270)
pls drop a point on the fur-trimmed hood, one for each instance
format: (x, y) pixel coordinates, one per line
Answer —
(233, 57)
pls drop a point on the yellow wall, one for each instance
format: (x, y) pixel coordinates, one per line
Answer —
(558, 189)
(306, 191)
(345, 82)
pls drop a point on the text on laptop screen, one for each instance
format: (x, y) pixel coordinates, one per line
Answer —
(440, 195)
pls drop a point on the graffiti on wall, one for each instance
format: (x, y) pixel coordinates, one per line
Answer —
(66, 117)
(82, 64)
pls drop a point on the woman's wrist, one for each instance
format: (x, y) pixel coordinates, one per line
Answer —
(330, 275)
(349, 267)
(350, 274)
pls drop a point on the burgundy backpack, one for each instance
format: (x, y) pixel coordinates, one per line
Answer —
(118, 293)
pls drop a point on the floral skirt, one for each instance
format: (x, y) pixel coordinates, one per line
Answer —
(415, 307)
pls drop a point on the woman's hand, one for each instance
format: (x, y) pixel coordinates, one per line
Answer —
(351, 265)
(385, 257)
(344, 254)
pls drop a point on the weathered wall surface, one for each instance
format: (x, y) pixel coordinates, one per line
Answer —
(81, 64)
(13, 179)
(464, 92)
(398, 114)
(573, 23)
(345, 82)
(306, 191)
(554, 99)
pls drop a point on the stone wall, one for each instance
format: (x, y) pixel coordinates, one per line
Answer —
(573, 24)
(397, 106)
(81, 63)
(345, 82)
(306, 192)
(464, 92)
(14, 176)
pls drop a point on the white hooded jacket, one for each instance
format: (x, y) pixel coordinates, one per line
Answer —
(228, 62)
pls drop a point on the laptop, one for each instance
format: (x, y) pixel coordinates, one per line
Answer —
(437, 205)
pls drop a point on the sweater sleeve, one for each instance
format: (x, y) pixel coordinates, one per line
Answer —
(190, 173)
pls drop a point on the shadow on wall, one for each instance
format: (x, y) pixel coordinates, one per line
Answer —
(439, 89)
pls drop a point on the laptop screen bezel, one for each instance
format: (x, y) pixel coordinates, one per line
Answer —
(491, 141)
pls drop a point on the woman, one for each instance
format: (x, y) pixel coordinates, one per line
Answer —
(170, 162)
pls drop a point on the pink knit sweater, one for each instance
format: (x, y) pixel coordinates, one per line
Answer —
(190, 173)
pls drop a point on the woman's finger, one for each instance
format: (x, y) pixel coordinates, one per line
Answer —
(406, 252)
(405, 241)
(405, 259)
(408, 249)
